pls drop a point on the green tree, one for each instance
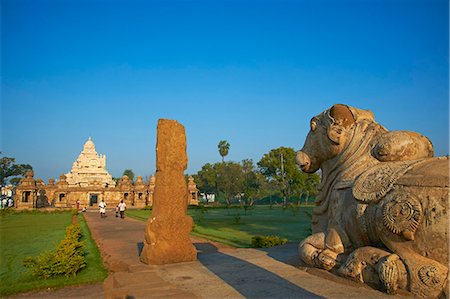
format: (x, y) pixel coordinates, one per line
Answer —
(224, 148)
(311, 184)
(254, 183)
(280, 169)
(12, 172)
(129, 173)
(229, 179)
(206, 179)
(224, 179)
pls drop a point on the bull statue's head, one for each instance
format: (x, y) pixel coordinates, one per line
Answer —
(329, 134)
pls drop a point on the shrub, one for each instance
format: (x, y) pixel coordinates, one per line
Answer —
(267, 241)
(67, 259)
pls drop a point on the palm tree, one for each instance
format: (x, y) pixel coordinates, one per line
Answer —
(224, 148)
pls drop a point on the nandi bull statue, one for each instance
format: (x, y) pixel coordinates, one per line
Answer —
(381, 215)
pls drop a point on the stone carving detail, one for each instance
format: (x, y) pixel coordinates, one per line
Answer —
(429, 275)
(402, 215)
(391, 271)
(167, 231)
(373, 184)
(380, 215)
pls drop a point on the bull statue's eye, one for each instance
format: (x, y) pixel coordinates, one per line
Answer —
(313, 126)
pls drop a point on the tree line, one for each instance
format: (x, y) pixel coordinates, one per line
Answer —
(274, 175)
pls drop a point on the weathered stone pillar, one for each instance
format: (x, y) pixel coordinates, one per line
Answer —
(167, 231)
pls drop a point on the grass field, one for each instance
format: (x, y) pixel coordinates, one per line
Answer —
(235, 227)
(29, 234)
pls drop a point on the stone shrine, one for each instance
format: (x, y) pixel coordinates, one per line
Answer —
(192, 192)
(89, 169)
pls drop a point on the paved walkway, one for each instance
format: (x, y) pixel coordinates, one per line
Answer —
(220, 272)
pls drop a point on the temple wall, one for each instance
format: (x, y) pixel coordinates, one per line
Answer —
(68, 197)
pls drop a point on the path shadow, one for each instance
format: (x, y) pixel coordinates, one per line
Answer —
(287, 254)
(248, 279)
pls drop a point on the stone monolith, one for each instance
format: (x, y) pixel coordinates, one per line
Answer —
(167, 231)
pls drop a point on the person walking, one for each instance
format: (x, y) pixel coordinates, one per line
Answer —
(122, 208)
(102, 206)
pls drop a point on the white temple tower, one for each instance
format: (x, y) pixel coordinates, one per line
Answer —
(90, 169)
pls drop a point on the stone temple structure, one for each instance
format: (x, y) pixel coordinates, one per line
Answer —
(86, 185)
(89, 169)
(193, 192)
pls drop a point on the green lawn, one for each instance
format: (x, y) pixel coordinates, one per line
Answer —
(232, 226)
(29, 234)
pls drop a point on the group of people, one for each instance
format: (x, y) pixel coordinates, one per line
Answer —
(6, 202)
(120, 209)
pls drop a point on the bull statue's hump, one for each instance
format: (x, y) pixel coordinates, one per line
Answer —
(383, 200)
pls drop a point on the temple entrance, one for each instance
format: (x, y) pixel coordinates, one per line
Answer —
(26, 196)
(93, 199)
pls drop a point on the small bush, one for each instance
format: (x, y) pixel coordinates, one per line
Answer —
(67, 259)
(267, 241)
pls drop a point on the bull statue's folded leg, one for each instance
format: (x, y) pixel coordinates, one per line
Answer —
(376, 267)
(321, 251)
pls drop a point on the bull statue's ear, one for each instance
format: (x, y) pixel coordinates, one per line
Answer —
(341, 120)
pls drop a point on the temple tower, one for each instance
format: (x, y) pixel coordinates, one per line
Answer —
(89, 169)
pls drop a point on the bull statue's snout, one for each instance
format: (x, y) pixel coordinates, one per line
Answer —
(303, 161)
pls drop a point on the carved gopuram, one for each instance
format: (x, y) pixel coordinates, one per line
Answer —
(167, 231)
(89, 169)
(381, 215)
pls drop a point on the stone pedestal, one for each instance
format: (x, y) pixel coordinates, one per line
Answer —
(167, 231)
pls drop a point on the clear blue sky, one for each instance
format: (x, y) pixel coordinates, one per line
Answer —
(250, 72)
